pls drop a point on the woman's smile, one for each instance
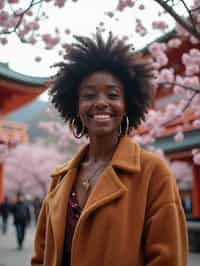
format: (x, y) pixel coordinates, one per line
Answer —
(102, 117)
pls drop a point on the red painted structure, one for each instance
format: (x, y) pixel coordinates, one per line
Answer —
(16, 90)
(165, 95)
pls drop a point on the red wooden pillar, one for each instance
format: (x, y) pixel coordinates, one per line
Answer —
(196, 191)
(1, 183)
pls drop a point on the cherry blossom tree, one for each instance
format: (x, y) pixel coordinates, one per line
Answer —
(28, 168)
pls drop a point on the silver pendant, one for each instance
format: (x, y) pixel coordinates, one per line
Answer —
(86, 184)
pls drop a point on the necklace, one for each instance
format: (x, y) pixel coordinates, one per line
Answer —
(86, 182)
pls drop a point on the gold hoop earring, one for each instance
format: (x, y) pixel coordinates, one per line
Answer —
(127, 127)
(74, 130)
(120, 129)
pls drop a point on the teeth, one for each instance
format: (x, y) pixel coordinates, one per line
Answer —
(102, 116)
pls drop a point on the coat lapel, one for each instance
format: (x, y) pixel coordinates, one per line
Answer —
(110, 186)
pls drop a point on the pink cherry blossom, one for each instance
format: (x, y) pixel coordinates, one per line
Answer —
(161, 59)
(140, 28)
(13, 1)
(159, 25)
(2, 4)
(50, 41)
(121, 5)
(196, 158)
(32, 40)
(3, 41)
(130, 3)
(194, 40)
(181, 170)
(38, 58)
(192, 82)
(141, 7)
(181, 31)
(4, 18)
(179, 137)
(3, 152)
(166, 75)
(29, 13)
(174, 43)
(196, 123)
(60, 3)
(191, 70)
(28, 168)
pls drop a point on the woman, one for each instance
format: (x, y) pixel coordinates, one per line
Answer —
(114, 204)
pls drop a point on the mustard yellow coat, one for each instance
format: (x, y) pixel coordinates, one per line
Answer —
(133, 216)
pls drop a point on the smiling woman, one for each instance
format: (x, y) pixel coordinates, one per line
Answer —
(114, 203)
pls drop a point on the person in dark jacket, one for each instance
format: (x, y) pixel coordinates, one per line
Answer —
(21, 216)
(4, 211)
(37, 203)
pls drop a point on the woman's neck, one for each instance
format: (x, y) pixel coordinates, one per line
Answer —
(102, 148)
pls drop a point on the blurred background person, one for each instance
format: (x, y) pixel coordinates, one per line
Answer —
(37, 203)
(4, 211)
(21, 218)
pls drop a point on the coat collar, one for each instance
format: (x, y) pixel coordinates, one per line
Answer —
(126, 157)
(108, 188)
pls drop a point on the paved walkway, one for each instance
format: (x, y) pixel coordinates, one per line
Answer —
(10, 256)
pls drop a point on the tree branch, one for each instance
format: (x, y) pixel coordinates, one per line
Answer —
(21, 15)
(179, 19)
(180, 85)
(190, 14)
(183, 110)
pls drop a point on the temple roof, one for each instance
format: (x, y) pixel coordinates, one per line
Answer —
(8, 73)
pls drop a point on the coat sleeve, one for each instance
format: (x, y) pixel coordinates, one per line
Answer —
(40, 235)
(38, 257)
(165, 231)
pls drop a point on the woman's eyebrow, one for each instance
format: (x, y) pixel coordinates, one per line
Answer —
(89, 86)
(113, 85)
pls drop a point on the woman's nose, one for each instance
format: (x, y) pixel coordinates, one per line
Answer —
(101, 102)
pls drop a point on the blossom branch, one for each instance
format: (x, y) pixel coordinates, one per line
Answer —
(21, 16)
(189, 102)
(180, 85)
(182, 111)
(190, 14)
(179, 19)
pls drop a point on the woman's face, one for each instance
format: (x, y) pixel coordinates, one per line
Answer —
(101, 103)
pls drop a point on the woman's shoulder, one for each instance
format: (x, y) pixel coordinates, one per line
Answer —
(60, 169)
(155, 162)
(56, 175)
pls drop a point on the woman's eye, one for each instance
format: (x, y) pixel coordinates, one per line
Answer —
(89, 95)
(113, 95)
